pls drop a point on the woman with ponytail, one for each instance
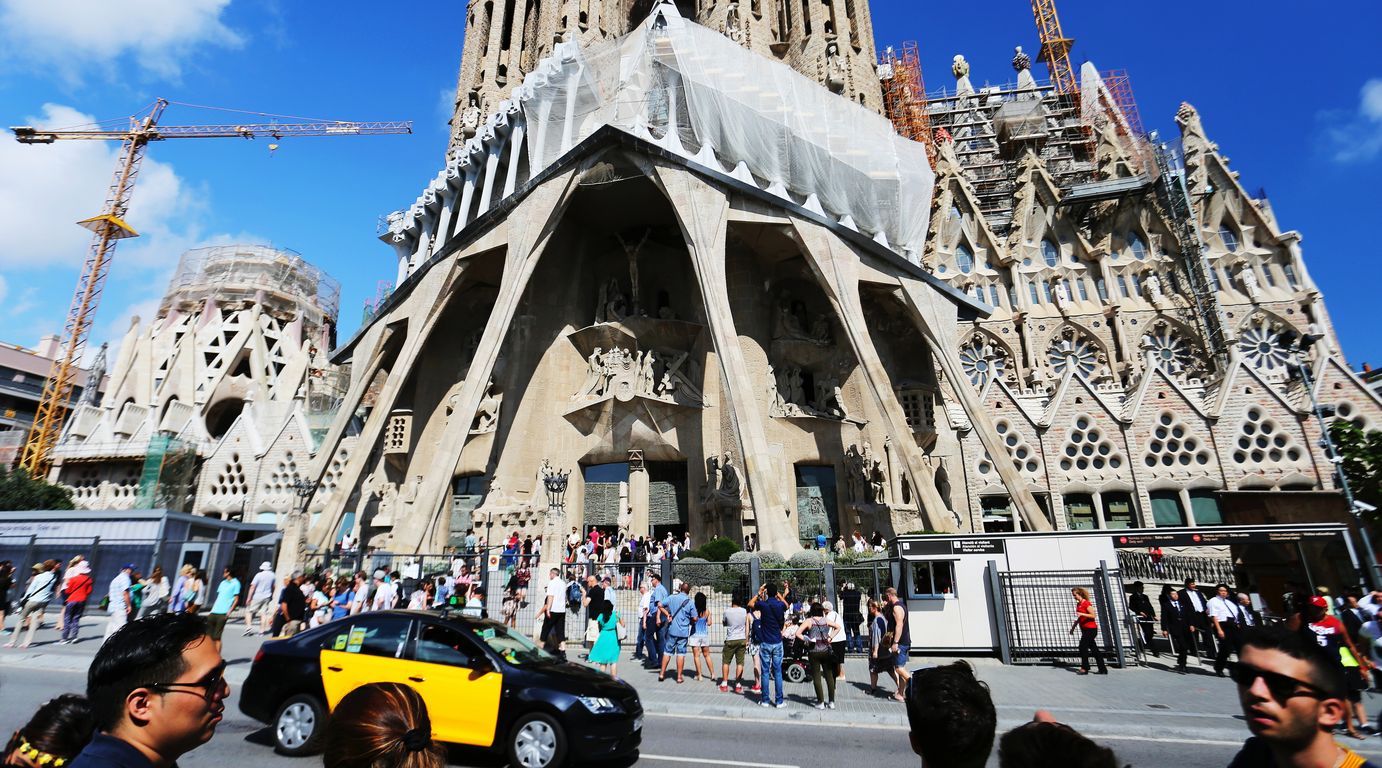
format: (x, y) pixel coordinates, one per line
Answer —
(382, 725)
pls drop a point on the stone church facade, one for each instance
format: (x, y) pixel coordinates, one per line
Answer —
(695, 334)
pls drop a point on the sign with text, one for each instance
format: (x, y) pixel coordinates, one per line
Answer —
(954, 547)
(1211, 538)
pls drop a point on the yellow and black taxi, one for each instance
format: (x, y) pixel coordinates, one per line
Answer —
(485, 685)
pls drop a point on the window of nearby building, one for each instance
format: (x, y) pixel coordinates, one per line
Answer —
(916, 407)
(1050, 253)
(1012, 295)
(1123, 286)
(933, 578)
(1230, 239)
(1214, 279)
(1118, 510)
(1166, 508)
(979, 292)
(1079, 512)
(998, 514)
(1136, 283)
(1290, 275)
(1031, 286)
(1270, 274)
(955, 214)
(964, 258)
(1084, 290)
(1046, 291)
(1204, 505)
(993, 294)
(1101, 288)
(1138, 248)
(1068, 291)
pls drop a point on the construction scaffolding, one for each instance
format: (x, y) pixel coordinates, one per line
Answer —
(992, 126)
(278, 278)
(904, 95)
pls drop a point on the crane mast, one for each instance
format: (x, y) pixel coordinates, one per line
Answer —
(1055, 47)
(109, 228)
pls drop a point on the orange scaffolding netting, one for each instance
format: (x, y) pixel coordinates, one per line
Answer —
(904, 95)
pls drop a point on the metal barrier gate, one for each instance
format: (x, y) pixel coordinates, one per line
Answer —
(1037, 610)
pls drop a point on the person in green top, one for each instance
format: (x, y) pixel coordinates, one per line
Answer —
(605, 652)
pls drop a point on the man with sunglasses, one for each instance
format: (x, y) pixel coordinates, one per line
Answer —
(157, 689)
(1292, 695)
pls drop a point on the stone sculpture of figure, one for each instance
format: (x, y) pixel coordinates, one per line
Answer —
(775, 405)
(487, 414)
(960, 69)
(795, 395)
(712, 477)
(408, 492)
(596, 377)
(729, 478)
(878, 483)
(834, 67)
(854, 475)
(1062, 295)
(616, 306)
(1248, 277)
(388, 500)
(820, 328)
(733, 27)
(829, 398)
(470, 116)
(1153, 284)
(646, 379)
(667, 388)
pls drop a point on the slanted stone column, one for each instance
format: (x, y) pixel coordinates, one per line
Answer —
(702, 211)
(530, 228)
(638, 501)
(836, 266)
(937, 322)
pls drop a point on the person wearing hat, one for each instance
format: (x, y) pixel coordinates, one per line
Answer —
(1331, 635)
(260, 598)
(120, 606)
(37, 595)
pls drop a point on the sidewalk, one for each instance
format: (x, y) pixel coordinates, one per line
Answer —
(1144, 703)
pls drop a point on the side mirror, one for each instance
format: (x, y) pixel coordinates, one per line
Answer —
(480, 666)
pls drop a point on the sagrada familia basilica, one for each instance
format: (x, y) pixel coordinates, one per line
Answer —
(679, 263)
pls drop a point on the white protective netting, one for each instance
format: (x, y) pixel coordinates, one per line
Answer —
(672, 76)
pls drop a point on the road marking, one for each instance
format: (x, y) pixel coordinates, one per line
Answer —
(708, 761)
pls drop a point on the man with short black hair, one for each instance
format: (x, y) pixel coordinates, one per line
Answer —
(952, 717)
(292, 605)
(1293, 696)
(227, 597)
(157, 690)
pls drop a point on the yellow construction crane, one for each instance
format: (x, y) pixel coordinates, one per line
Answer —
(1055, 47)
(109, 227)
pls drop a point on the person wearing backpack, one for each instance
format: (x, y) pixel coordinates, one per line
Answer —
(817, 630)
(37, 595)
(679, 613)
(77, 591)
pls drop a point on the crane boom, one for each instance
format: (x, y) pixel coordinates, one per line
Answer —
(25, 134)
(109, 228)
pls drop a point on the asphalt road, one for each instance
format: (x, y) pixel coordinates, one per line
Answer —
(669, 740)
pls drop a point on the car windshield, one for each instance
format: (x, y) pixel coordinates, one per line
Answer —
(513, 646)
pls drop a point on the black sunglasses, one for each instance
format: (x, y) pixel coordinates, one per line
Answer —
(212, 685)
(1281, 687)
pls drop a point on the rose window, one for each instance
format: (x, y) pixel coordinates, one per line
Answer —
(982, 362)
(1262, 345)
(1073, 352)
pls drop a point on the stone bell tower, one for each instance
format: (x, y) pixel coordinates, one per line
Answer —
(830, 41)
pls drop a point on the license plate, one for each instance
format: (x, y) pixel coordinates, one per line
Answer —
(638, 723)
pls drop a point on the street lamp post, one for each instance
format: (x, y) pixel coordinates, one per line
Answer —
(304, 489)
(1300, 366)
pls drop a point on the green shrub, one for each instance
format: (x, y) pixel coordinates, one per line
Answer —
(717, 550)
(768, 559)
(696, 571)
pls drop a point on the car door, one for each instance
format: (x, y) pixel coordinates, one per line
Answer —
(459, 683)
(365, 650)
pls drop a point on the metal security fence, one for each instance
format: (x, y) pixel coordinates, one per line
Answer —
(1037, 611)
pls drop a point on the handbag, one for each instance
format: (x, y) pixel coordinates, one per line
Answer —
(592, 631)
(622, 630)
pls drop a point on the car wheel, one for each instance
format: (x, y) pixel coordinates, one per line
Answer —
(537, 741)
(299, 725)
(796, 673)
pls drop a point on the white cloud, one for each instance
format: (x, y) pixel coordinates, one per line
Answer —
(46, 189)
(1356, 137)
(69, 36)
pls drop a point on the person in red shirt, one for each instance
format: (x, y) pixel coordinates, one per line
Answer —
(1332, 636)
(1088, 625)
(77, 591)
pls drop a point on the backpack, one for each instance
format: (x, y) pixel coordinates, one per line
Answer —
(573, 594)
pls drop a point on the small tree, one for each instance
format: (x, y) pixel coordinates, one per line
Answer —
(19, 492)
(1362, 455)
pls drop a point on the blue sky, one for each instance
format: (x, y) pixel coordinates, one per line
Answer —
(1293, 96)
